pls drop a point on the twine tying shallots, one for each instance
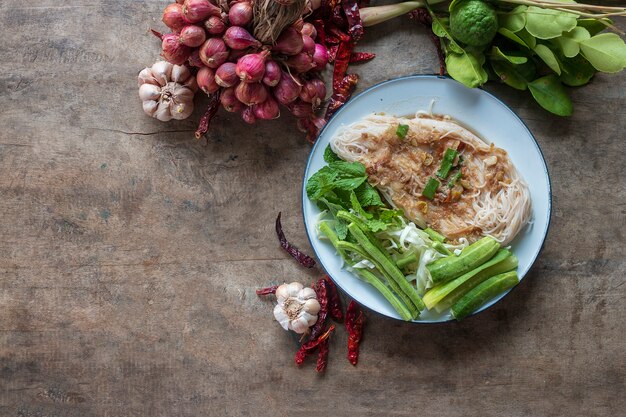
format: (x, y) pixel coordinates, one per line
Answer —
(270, 17)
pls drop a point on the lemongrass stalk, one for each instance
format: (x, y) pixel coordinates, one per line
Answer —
(374, 15)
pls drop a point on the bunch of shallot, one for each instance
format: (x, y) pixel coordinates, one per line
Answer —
(249, 76)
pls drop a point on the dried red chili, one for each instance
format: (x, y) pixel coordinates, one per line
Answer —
(342, 60)
(338, 18)
(267, 291)
(321, 32)
(310, 346)
(332, 52)
(334, 301)
(357, 57)
(321, 292)
(341, 94)
(303, 259)
(336, 33)
(322, 356)
(423, 17)
(355, 319)
(205, 120)
(351, 9)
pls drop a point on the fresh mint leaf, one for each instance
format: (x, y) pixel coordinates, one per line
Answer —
(368, 196)
(376, 225)
(356, 206)
(320, 183)
(353, 169)
(349, 184)
(341, 227)
(330, 156)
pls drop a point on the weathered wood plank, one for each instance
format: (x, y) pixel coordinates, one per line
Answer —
(129, 252)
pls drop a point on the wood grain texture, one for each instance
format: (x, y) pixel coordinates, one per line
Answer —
(129, 252)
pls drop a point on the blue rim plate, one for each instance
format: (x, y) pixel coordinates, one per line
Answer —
(476, 109)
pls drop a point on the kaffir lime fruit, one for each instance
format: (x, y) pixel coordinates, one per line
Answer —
(473, 22)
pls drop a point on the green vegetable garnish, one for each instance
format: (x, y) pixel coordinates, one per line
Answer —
(483, 293)
(402, 131)
(453, 179)
(476, 254)
(438, 237)
(446, 163)
(431, 188)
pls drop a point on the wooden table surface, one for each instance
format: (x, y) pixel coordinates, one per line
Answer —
(130, 252)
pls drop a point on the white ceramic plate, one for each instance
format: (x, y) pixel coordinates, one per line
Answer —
(476, 109)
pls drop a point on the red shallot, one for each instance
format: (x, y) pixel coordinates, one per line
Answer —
(238, 38)
(206, 80)
(213, 52)
(226, 75)
(240, 14)
(173, 17)
(272, 73)
(251, 68)
(198, 10)
(251, 93)
(192, 36)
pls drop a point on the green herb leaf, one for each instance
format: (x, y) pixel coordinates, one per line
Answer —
(341, 226)
(594, 26)
(576, 71)
(354, 169)
(515, 20)
(320, 183)
(551, 95)
(548, 57)
(497, 54)
(356, 206)
(512, 36)
(349, 184)
(368, 195)
(569, 41)
(467, 68)
(548, 23)
(606, 52)
(330, 156)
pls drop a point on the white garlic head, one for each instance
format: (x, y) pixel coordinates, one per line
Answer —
(167, 91)
(297, 307)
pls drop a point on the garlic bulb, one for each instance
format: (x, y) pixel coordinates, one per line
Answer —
(297, 307)
(167, 91)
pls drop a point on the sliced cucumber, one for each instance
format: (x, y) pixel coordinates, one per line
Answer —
(467, 281)
(482, 293)
(476, 254)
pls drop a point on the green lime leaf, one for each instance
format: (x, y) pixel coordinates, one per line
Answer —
(548, 23)
(594, 26)
(528, 39)
(497, 54)
(576, 71)
(467, 68)
(606, 52)
(512, 36)
(548, 57)
(568, 42)
(438, 29)
(507, 75)
(515, 20)
(551, 95)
